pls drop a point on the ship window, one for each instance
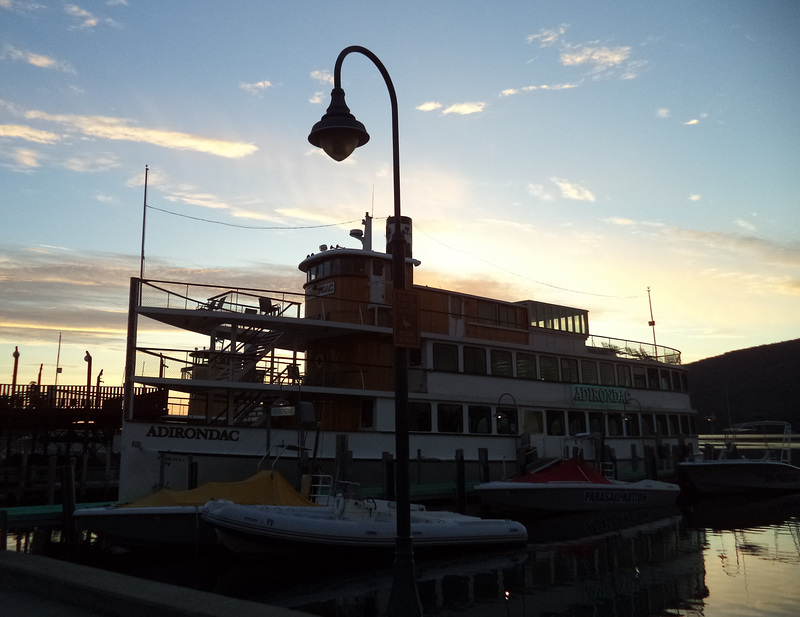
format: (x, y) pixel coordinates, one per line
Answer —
(666, 381)
(555, 422)
(596, 423)
(647, 425)
(533, 422)
(692, 426)
(501, 363)
(624, 375)
(549, 366)
(377, 268)
(577, 422)
(445, 357)
(607, 377)
(589, 372)
(479, 418)
(684, 383)
(661, 425)
(419, 417)
(507, 421)
(474, 360)
(569, 370)
(652, 379)
(676, 381)
(674, 425)
(639, 377)
(367, 413)
(685, 425)
(632, 425)
(526, 365)
(495, 314)
(449, 418)
(614, 425)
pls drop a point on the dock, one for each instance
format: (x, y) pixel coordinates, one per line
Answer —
(31, 583)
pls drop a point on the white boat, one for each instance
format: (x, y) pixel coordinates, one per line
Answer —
(501, 382)
(174, 518)
(733, 473)
(353, 523)
(573, 485)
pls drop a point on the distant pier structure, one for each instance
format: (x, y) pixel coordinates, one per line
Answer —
(51, 433)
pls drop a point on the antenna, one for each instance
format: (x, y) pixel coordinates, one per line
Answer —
(144, 219)
(652, 322)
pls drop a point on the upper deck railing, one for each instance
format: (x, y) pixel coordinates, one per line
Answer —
(622, 348)
(175, 295)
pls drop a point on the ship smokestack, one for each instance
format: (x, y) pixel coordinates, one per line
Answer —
(405, 229)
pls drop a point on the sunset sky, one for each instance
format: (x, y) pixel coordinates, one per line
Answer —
(571, 152)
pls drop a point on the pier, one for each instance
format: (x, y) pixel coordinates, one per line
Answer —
(45, 429)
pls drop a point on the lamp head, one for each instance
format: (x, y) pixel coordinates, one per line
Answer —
(338, 132)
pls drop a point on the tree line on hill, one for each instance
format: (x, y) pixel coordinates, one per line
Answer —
(759, 383)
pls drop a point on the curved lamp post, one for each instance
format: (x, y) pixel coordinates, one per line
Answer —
(338, 133)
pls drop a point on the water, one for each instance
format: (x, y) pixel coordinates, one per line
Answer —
(712, 560)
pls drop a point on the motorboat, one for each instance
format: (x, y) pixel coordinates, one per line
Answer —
(569, 485)
(174, 518)
(352, 523)
(734, 473)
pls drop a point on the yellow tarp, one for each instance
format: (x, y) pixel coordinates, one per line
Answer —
(267, 488)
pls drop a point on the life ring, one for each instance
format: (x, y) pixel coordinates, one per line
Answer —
(338, 505)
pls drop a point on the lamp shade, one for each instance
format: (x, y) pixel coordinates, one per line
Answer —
(338, 132)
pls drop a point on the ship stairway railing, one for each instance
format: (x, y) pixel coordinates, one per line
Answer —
(238, 360)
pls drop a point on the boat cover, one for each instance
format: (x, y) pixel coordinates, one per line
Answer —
(566, 470)
(268, 488)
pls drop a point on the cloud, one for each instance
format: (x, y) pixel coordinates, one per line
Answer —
(540, 192)
(553, 87)
(571, 190)
(618, 220)
(257, 87)
(26, 157)
(28, 134)
(548, 38)
(429, 106)
(98, 162)
(601, 57)
(119, 129)
(85, 19)
(694, 197)
(464, 109)
(746, 225)
(323, 76)
(663, 112)
(37, 60)
(694, 121)
(21, 6)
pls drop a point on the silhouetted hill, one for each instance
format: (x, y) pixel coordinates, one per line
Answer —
(760, 383)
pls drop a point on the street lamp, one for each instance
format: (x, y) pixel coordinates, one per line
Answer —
(338, 133)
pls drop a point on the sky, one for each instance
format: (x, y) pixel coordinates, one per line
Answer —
(572, 152)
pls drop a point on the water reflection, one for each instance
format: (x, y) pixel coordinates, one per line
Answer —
(713, 559)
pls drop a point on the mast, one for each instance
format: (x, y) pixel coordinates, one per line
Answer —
(144, 219)
(652, 322)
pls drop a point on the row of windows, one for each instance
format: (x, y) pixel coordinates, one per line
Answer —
(525, 365)
(483, 419)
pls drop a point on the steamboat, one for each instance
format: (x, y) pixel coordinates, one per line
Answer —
(493, 384)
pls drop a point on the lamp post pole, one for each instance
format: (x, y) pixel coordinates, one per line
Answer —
(88, 359)
(339, 133)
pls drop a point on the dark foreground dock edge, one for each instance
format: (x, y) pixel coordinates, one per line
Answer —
(110, 593)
